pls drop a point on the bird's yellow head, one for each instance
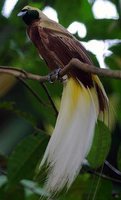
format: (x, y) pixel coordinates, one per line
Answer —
(29, 14)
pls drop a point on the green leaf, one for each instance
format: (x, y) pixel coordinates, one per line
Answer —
(11, 106)
(86, 13)
(12, 192)
(102, 29)
(34, 187)
(77, 189)
(99, 189)
(114, 61)
(7, 105)
(88, 187)
(100, 146)
(23, 160)
(73, 10)
(36, 4)
(33, 197)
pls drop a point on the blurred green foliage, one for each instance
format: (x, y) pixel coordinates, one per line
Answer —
(25, 121)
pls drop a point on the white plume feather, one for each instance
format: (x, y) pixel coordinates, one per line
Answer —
(72, 136)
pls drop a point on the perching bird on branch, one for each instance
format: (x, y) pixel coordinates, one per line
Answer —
(83, 99)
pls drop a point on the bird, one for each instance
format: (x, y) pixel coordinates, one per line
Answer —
(83, 100)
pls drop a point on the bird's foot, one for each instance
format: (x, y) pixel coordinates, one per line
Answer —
(54, 76)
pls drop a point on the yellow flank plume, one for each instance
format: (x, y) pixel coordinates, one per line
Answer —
(72, 89)
(103, 115)
(97, 80)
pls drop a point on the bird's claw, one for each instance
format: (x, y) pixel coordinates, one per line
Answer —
(54, 73)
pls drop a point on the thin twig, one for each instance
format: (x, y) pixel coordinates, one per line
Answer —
(19, 73)
(74, 63)
(50, 98)
(104, 176)
(113, 168)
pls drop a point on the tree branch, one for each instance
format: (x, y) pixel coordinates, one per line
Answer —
(93, 69)
(20, 73)
(103, 176)
(74, 63)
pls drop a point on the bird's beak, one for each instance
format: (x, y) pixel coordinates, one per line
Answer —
(20, 14)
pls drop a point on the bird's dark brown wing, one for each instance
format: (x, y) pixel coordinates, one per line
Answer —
(69, 43)
(64, 48)
(41, 40)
